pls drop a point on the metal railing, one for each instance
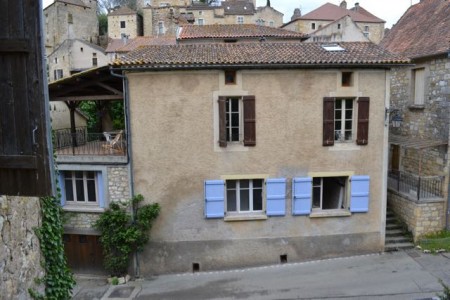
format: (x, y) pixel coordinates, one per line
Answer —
(83, 143)
(416, 187)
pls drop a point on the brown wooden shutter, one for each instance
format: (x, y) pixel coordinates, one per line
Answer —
(222, 122)
(24, 151)
(249, 121)
(328, 121)
(363, 121)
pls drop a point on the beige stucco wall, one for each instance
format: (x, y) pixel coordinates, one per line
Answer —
(173, 127)
(60, 116)
(376, 31)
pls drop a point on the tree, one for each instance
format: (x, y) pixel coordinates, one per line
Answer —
(107, 6)
(103, 24)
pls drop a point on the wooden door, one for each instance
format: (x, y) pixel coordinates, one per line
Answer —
(84, 253)
(395, 158)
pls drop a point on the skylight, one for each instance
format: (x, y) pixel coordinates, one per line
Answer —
(333, 47)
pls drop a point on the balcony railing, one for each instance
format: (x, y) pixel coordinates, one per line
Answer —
(83, 143)
(416, 187)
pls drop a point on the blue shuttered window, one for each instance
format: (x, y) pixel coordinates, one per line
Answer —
(359, 201)
(214, 198)
(301, 196)
(276, 196)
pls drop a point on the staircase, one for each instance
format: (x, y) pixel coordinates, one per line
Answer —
(396, 239)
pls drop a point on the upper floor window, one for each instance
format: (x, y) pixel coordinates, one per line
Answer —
(237, 120)
(338, 26)
(313, 26)
(418, 83)
(160, 27)
(366, 28)
(80, 187)
(70, 18)
(347, 79)
(201, 22)
(122, 24)
(58, 74)
(339, 121)
(230, 77)
(244, 195)
(271, 23)
(240, 19)
(94, 59)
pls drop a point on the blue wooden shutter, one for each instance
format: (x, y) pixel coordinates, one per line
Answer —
(276, 196)
(301, 196)
(214, 198)
(101, 194)
(359, 194)
(62, 188)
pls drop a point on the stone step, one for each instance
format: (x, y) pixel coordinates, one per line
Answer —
(398, 246)
(396, 239)
(394, 232)
(393, 226)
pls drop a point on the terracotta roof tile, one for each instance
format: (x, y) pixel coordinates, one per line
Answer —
(73, 2)
(235, 31)
(422, 31)
(238, 7)
(117, 45)
(333, 12)
(257, 54)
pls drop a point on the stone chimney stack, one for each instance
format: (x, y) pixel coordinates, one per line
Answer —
(356, 6)
(343, 4)
(297, 14)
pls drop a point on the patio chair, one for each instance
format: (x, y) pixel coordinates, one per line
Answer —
(115, 143)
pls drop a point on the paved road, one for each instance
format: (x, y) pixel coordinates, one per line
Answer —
(396, 275)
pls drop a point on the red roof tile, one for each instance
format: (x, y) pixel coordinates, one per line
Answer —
(257, 54)
(235, 31)
(331, 12)
(423, 30)
(124, 10)
(117, 45)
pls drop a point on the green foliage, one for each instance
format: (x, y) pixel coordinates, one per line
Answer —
(446, 292)
(58, 279)
(102, 24)
(121, 235)
(436, 241)
(97, 110)
(114, 280)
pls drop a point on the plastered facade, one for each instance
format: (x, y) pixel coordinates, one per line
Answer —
(174, 132)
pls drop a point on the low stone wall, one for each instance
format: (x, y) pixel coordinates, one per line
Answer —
(421, 217)
(19, 247)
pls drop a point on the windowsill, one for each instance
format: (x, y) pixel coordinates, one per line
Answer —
(231, 217)
(83, 208)
(416, 107)
(344, 146)
(330, 213)
(234, 146)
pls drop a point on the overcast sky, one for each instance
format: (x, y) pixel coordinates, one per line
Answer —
(388, 10)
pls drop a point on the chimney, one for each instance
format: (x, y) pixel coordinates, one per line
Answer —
(356, 6)
(297, 14)
(343, 4)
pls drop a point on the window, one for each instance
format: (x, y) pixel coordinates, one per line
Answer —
(244, 195)
(346, 79)
(122, 24)
(81, 49)
(58, 74)
(366, 34)
(70, 18)
(250, 197)
(418, 82)
(94, 59)
(237, 120)
(271, 24)
(200, 13)
(339, 26)
(313, 25)
(366, 28)
(201, 22)
(55, 60)
(329, 192)
(80, 187)
(260, 22)
(240, 19)
(338, 123)
(160, 27)
(230, 77)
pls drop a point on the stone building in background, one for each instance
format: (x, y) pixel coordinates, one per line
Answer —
(420, 98)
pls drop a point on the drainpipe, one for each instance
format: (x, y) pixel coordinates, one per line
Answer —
(130, 158)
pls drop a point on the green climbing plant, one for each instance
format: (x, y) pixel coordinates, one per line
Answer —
(58, 278)
(121, 235)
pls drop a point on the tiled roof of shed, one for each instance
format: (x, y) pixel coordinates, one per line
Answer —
(235, 31)
(422, 31)
(258, 54)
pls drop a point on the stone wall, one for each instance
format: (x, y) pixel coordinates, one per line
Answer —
(420, 217)
(19, 247)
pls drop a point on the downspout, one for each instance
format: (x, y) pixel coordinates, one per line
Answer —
(130, 157)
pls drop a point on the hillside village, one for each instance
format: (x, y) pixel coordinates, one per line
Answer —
(263, 142)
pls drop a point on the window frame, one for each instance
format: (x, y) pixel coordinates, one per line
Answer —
(313, 26)
(237, 200)
(240, 20)
(123, 24)
(343, 120)
(344, 204)
(85, 180)
(160, 27)
(414, 85)
(200, 21)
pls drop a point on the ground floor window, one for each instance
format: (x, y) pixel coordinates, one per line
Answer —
(245, 195)
(80, 186)
(329, 192)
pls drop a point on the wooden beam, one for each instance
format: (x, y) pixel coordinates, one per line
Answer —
(18, 162)
(88, 98)
(109, 88)
(14, 45)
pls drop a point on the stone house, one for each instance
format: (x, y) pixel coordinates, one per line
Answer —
(371, 26)
(164, 17)
(70, 19)
(220, 137)
(124, 22)
(341, 30)
(74, 56)
(420, 97)
(119, 47)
